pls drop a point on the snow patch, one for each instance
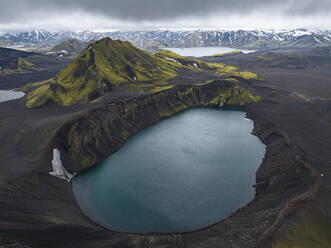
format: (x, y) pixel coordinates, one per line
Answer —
(300, 32)
(173, 60)
(58, 169)
(169, 59)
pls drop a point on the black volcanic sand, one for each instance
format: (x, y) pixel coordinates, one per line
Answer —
(45, 68)
(293, 119)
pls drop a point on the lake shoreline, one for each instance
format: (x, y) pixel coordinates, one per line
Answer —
(207, 51)
(168, 162)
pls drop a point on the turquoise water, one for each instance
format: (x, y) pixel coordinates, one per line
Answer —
(8, 95)
(181, 174)
(204, 51)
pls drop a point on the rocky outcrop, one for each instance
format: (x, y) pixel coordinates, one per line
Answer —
(103, 131)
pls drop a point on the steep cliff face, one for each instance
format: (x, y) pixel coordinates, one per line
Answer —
(92, 137)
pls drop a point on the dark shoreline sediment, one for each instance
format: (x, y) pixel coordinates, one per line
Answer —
(37, 210)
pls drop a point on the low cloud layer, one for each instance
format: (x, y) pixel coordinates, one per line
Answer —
(147, 12)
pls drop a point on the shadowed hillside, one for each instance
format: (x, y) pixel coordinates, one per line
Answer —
(69, 47)
(12, 59)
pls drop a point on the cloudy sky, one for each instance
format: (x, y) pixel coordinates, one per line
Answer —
(22, 15)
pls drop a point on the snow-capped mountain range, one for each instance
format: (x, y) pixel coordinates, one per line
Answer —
(167, 38)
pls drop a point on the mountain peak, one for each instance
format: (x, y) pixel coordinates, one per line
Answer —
(238, 38)
(102, 66)
(106, 39)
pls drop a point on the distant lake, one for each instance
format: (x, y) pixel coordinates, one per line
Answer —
(182, 174)
(7, 95)
(204, 51)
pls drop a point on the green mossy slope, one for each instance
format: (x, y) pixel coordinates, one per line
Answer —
(109, 64)
(24, 65)
(220, 68)
(182, 60)
(100, 67)
(311, 231)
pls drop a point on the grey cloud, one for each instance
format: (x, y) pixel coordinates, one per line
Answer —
(151, 10)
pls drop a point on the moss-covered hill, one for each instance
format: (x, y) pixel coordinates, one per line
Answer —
(100, 67)
(70, 47)
(109, 64)
(24, 65)
(15, 60)
(227, 71)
